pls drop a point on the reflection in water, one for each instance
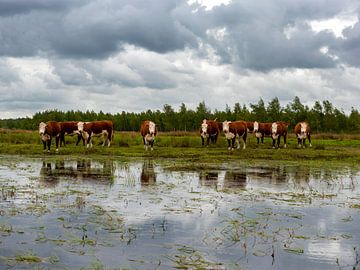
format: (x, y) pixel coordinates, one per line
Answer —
(208, 178)
(148, 175)
(235, 179)
(52, 172)
(274, 175)
(261, 226)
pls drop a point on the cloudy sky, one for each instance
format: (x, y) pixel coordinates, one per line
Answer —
(134, 55)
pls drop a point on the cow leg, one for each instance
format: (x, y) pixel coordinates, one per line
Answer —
(273, 143)
(229, 144)
(110, 134)
(285, 141)
(202, 140)
(244, 140)
(215, 138)
(152, 145)
(258, 140)
(88, 142)
(262, 138)
(304, 142)
(299, 142)
(208, 141)
(144, 142)
(237, 143)
(79, 137)
(233, 143)
(48, 144)
(57, 140)
(44, 144)
(278, 142)
(310, 145)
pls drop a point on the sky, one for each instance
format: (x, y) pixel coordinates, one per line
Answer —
(135, 55)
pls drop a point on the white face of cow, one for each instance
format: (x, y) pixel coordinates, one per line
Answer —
(80, 126)
(226, 129)
(226, 126)
(204, 127)
(303, 127)
(42, 127)
(274, 128)
(151, 128)
(256, 126)
(302, 134)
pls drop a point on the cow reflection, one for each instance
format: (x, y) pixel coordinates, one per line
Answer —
(208, 178)
(235, 179)
(82, 170)
(148, 175)
(277, 175)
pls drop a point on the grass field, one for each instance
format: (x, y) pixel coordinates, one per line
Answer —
(187, 146)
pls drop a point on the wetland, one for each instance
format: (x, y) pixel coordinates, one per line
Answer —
(96, 212)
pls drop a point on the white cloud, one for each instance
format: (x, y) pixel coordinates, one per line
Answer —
(335, 25)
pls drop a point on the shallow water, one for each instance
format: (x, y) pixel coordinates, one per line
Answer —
(145, 214)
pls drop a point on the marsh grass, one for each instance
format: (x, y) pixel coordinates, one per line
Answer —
(187, 145)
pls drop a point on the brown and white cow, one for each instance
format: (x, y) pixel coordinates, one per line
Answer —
(70, 128)
(148, 132)
(302, 131)
(103, 128)
(250, 126)
(49, 130)
(262, 130)
(232, 130)
(210, 130)
(278, 130)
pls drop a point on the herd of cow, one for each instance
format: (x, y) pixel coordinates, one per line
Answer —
(209, 131)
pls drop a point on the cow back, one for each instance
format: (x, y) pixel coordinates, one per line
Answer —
(68, 127)
(53, 128)
(213, 127)
(238, 127)
(97, 127)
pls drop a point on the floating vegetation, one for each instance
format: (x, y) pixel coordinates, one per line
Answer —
(295, 250)
(189, 258)
(196, 213)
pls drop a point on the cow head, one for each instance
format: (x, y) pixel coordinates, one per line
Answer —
(303, 127)
(42, 128)
(42, 131)
(256, 126)
(274, 131)
(152, 128)
(226, 126)
(204, 127)
(81, 130)
(80, 126)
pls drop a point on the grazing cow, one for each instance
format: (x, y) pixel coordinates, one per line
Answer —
(261, 130)
(210, 130)
(148, 132)
(302, 131)
(232, 130)
(97, 128)
(70, 128)
(49, 130)
(279, 129)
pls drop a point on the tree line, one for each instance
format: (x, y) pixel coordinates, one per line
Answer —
(322, 116)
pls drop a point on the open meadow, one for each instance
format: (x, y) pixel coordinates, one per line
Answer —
(181, 206)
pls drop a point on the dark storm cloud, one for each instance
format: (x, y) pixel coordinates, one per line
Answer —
(13, 7)
(254, 31)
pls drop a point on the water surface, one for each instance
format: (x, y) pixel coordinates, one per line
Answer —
(146, 214)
